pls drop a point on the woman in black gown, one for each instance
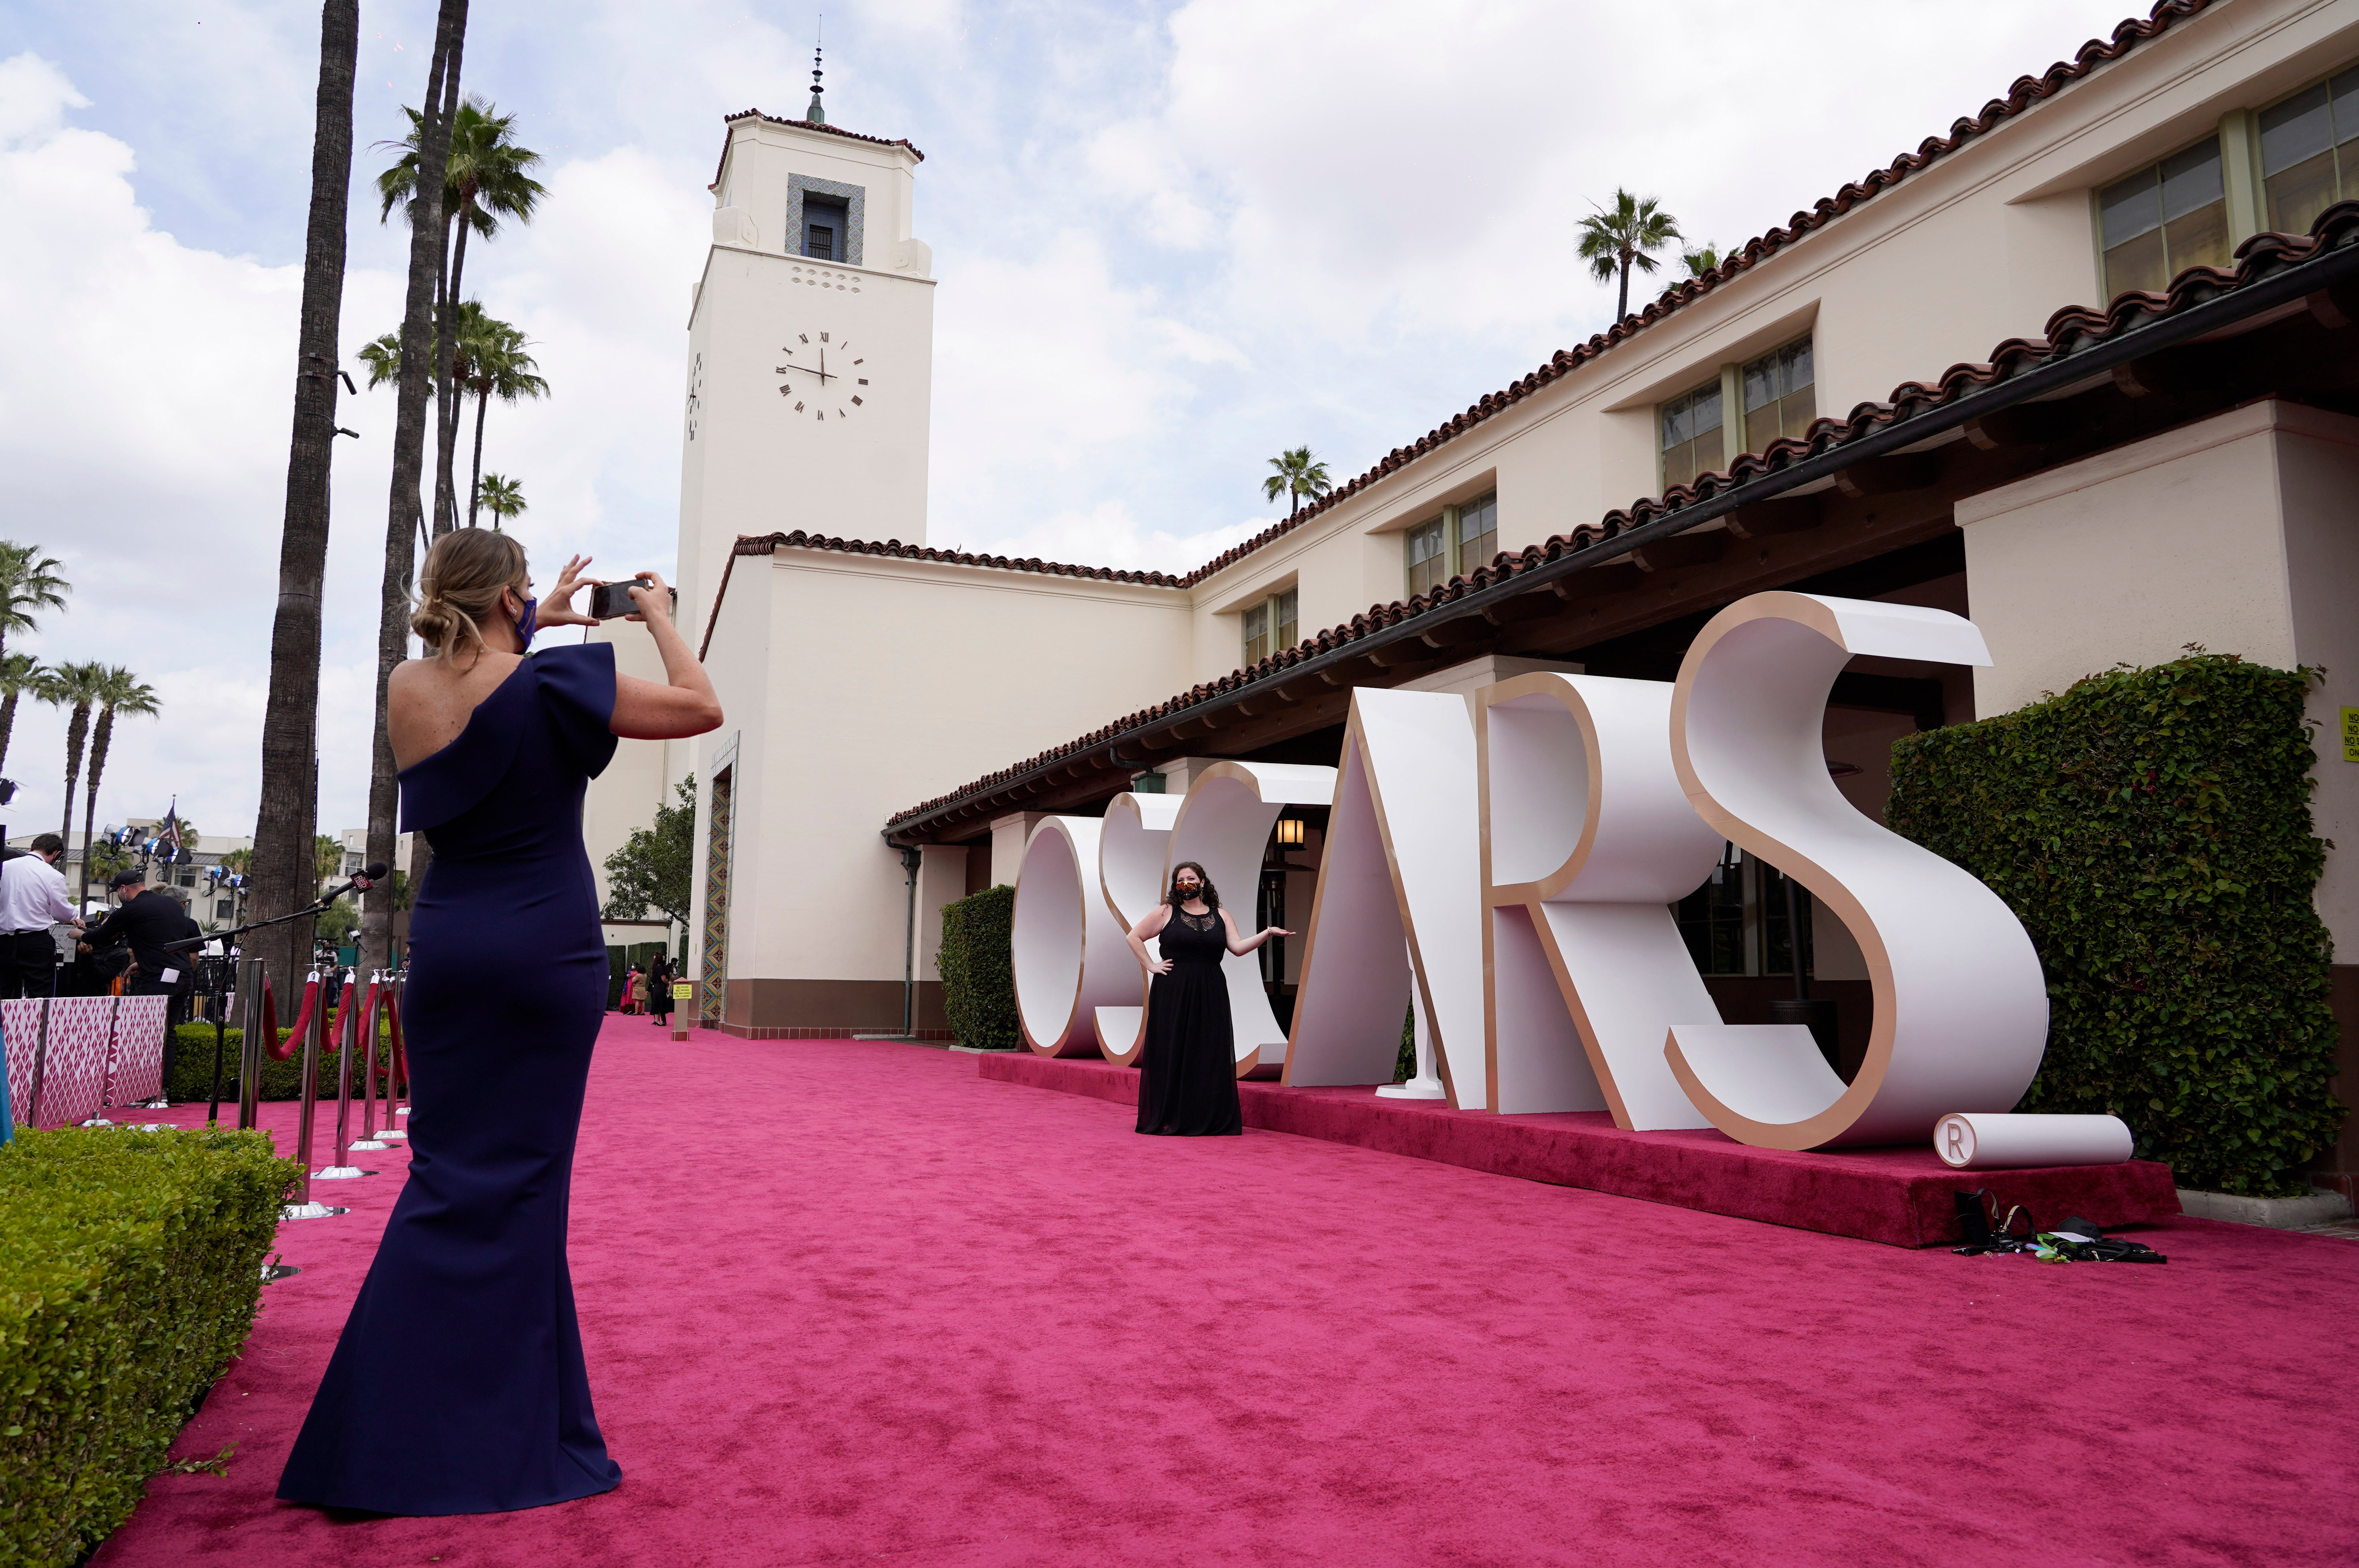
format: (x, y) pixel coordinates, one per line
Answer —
(1188, 1081)
(458, 1385)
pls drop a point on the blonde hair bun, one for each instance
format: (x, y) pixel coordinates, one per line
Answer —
(466, 571)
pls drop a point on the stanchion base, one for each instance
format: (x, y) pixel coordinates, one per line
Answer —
(1415, 1089)
(95, 1121)
(402, 1111)
(679, 1034)
(395, 1134)
(274, 1272)
(312, 1211)
(368, 1143)
(158, 1103)
(340, 1173)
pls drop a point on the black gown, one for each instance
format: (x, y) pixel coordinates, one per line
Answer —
(1187, 1085)
(459, 1387)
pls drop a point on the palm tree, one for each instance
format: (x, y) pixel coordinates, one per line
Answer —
(405, 518)
(291, 717)
(497, 366)
(486, 177)
(20, 674)
(1703, 261)
(502, 497)
(117, 690)
(75, 687)
(1614, 240)
(1298, 475)
(29, 581)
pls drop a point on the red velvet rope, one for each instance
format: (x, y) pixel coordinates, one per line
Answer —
(400, 1057)
(336, 1020)
(281, 1050)
(368, 1023)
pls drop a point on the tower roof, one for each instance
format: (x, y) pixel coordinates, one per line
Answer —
(820, 127)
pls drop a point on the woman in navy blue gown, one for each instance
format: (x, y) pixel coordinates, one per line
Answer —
(458, 1385)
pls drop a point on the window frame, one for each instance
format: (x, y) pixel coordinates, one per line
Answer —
(1718, 388)
(2226, 147)
(1745, 441)
(2346, 180)
(1278, 613)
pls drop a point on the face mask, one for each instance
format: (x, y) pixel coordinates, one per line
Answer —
(524, 622)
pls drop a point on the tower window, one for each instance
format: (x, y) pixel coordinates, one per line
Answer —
(824, 227)
(1690, 434)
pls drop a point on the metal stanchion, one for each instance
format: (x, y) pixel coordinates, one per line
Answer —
(396, 1054)
(217, 1003)
(251, 1013)
(370, 1014)
(303, 1208)
(347, 1041)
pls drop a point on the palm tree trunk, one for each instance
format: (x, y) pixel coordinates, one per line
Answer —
(405, 517)
(98, 745)
(446, 351)
(8, 724)
(77, 732)
(1622, 307)
(476, 485)
(282, 831)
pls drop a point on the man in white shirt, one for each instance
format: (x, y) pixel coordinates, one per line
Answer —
(32, 899)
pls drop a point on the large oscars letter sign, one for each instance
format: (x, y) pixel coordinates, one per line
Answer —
(1224, 825)
(1961, 1007)
(1130, 879)
(1587, 843)
(1397, 885)
(1070, 957)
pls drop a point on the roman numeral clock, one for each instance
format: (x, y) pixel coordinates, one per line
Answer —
(823, 378)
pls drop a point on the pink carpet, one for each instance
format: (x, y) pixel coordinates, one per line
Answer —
(849, 1302)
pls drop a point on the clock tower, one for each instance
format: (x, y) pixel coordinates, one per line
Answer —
(809, 348)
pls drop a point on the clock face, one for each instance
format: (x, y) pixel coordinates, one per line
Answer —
(695, 395)
(823, 378)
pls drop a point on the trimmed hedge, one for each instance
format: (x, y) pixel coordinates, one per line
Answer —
(978, 969)
(130, 1269)
(2151, 829)
(192, 1066)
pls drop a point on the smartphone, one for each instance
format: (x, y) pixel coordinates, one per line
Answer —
(609, 600)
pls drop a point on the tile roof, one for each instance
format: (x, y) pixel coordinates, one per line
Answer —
(2070, 332)
(801, 125)
(2026, 94)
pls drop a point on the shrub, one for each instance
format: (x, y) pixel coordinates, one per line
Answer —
(130, 1268)
(978, 969)
(2151, 829)
(192, 1066)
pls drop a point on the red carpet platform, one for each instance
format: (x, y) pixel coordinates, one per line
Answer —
(1898, 1195)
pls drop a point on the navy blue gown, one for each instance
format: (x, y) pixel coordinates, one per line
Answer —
(459, 1387)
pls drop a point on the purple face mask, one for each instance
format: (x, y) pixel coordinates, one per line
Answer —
(524, 622)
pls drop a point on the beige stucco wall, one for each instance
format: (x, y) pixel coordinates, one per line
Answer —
(2240, 533)
(860, 686)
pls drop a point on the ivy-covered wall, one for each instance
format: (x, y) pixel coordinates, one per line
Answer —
(2151, 827)
(978, 969)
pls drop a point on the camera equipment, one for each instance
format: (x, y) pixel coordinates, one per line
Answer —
(610, 600)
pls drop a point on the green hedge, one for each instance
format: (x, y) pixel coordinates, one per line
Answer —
(2151, 829)
(130, 1268)
(978, 971)
(192, 1066)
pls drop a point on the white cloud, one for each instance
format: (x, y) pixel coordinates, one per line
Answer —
(1108, 535)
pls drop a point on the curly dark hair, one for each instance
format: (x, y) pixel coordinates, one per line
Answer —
(1207, 892)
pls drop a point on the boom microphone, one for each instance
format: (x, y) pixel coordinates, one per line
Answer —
(370, 875)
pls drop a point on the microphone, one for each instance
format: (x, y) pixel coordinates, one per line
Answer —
(369, 877)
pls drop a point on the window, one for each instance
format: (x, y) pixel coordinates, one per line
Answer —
(1779, 399)
(825, 225)
(1429, 556)
(2163, 220)
(1478, 532)
(1735, 923)
(1270, 626)
(2309, 152)
(223, 908)
(1691, 439)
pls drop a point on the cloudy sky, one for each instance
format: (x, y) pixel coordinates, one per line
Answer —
(1213, 229)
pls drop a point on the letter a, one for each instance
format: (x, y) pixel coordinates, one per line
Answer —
(1397, 885)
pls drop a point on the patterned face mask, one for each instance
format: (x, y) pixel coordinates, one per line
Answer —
(523, 621)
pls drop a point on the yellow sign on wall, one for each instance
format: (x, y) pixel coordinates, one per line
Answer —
(683, 990)
(2350, 735)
